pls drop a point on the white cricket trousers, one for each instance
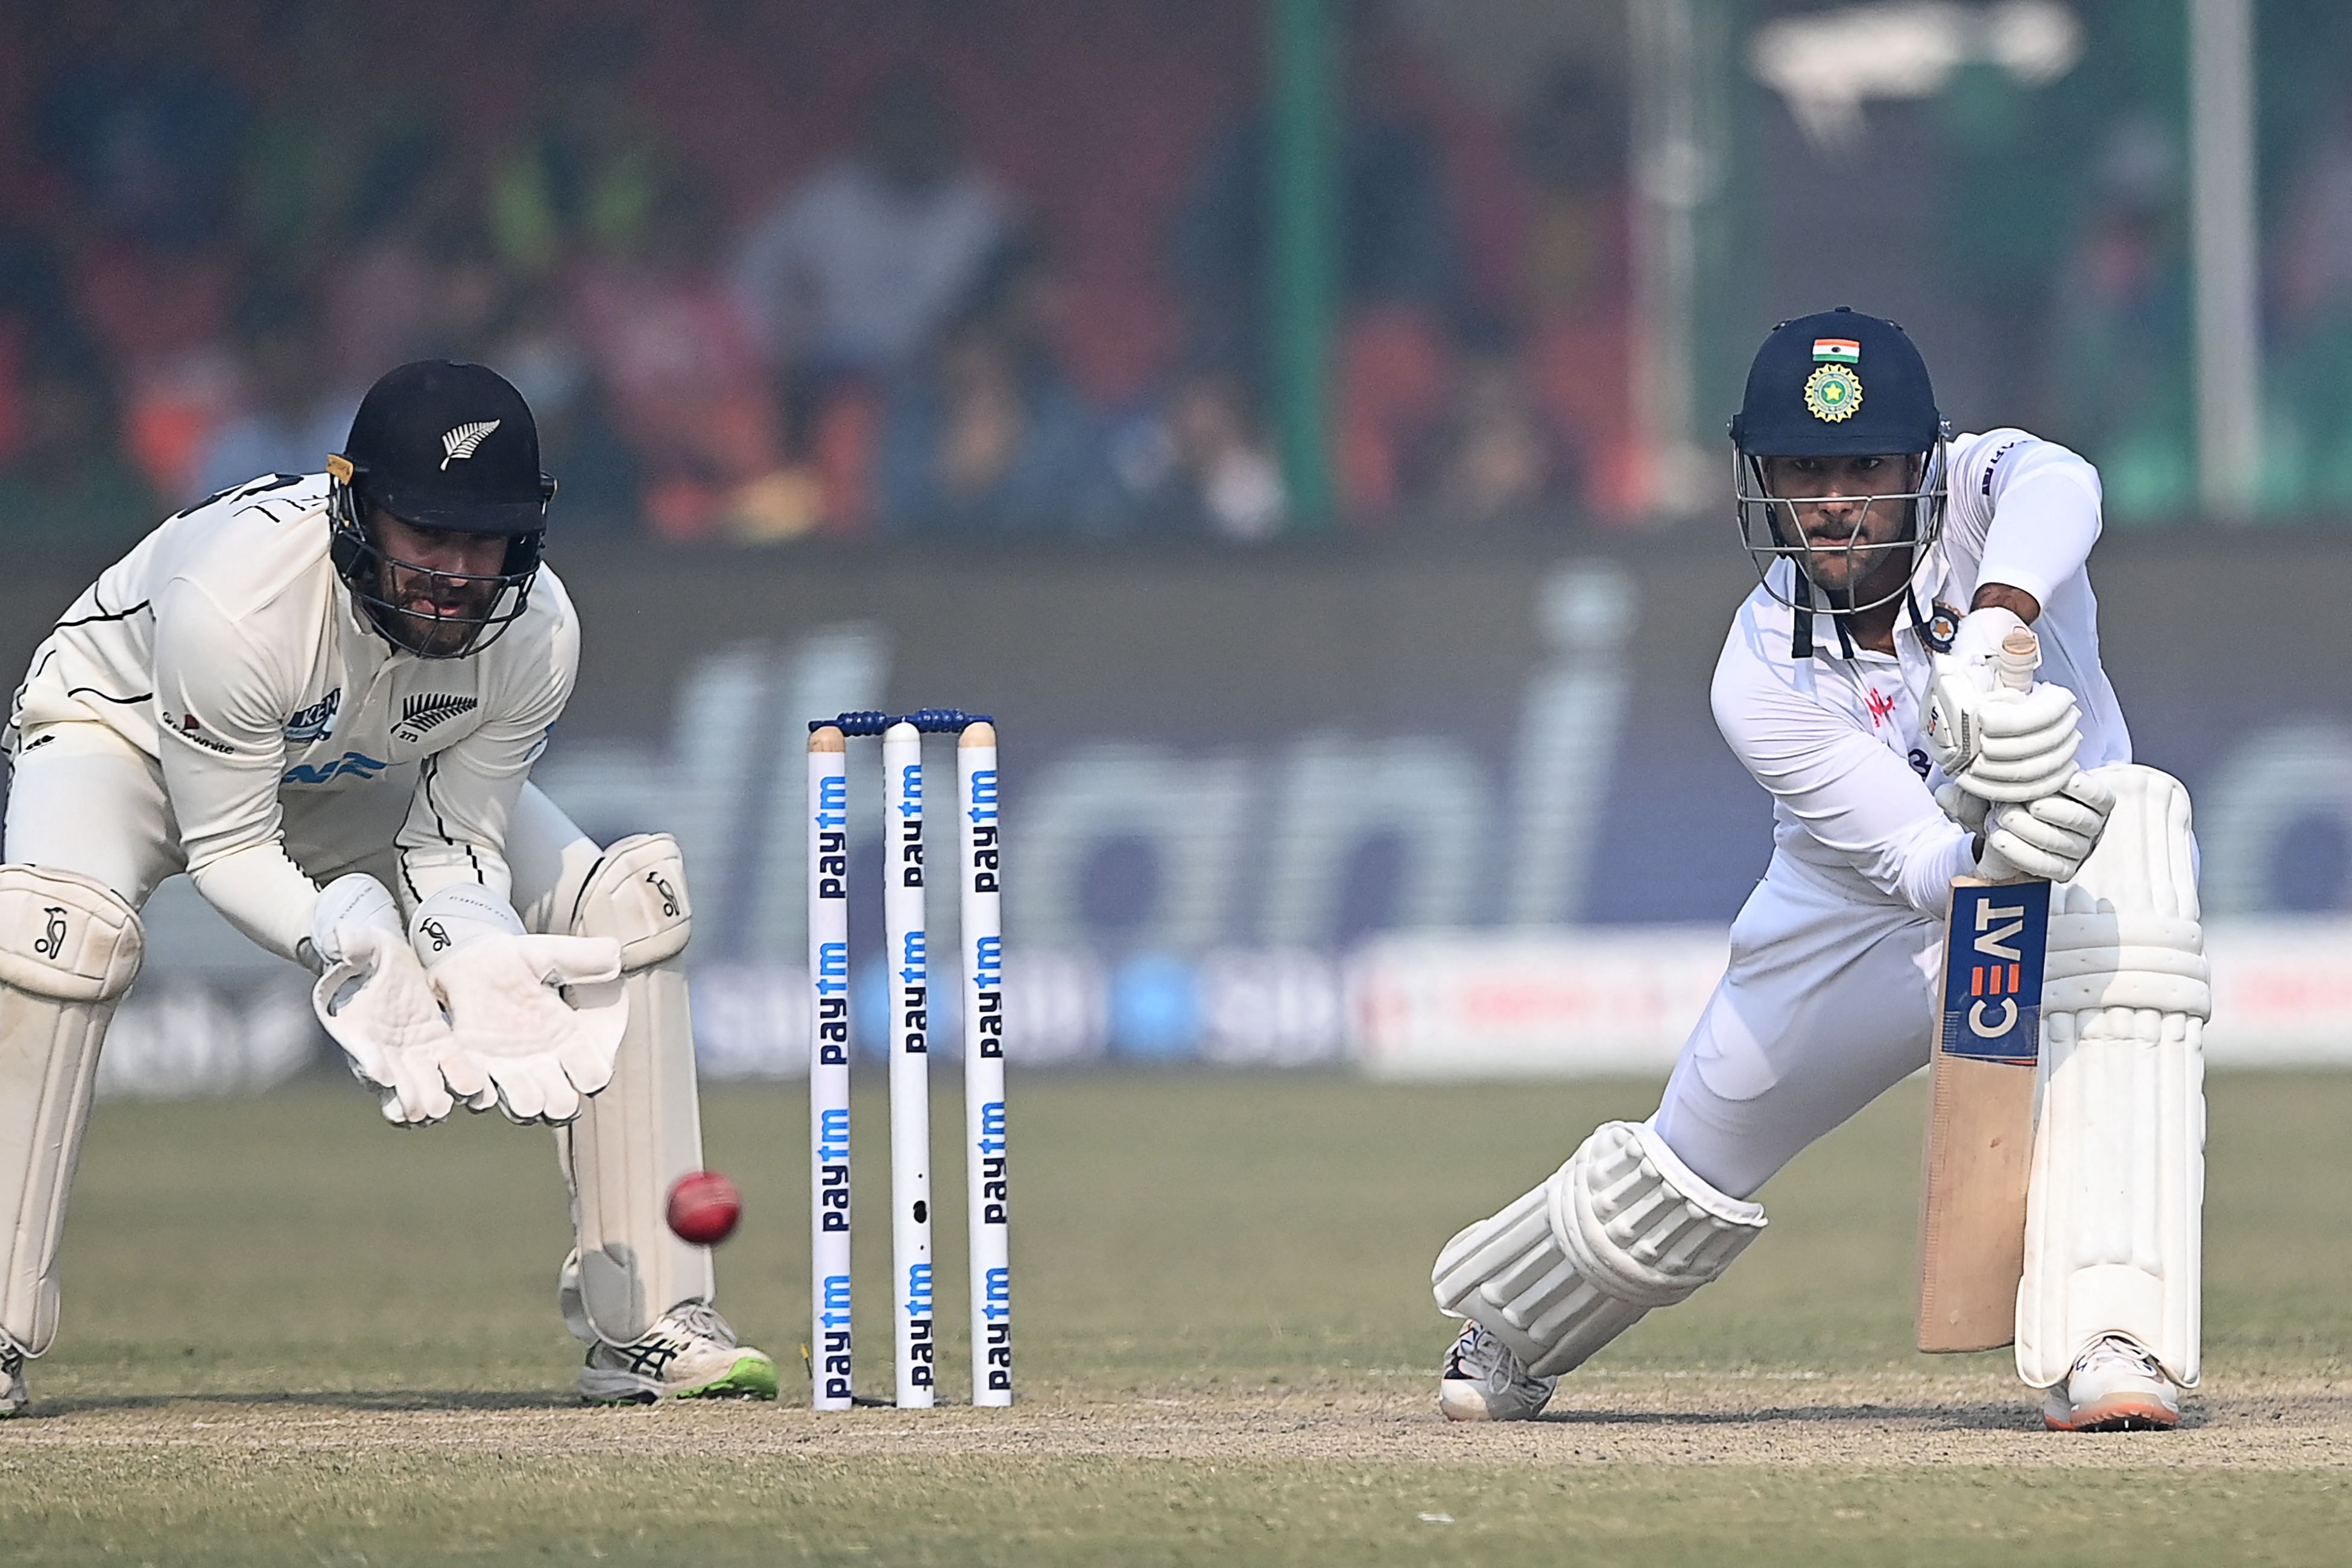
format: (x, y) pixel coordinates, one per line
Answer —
(1827, 1004)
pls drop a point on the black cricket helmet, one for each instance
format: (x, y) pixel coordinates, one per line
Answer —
(1837, 384)
(447, 448)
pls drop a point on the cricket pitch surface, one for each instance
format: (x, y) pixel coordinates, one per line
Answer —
(293, 1335)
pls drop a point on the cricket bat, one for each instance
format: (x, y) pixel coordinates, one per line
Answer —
(1985, 1058)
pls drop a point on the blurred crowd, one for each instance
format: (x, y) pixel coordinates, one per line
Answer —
(796, 271)
(958, 267)
(2117, 355)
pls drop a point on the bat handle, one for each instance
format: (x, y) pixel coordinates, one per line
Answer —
(2021, 653)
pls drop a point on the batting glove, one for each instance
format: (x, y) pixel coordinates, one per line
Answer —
(2049, 838)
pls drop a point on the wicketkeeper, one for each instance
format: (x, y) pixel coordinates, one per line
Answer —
(1857, 687)
(320, 696)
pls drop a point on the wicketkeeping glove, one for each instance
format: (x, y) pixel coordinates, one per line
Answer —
(462, 913)
(518, 1036)
(447, 918)
(377, 1003)
(521, 1043)
(355, 900)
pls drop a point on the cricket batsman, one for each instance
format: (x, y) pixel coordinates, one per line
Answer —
(320, 696)
(1857, 686)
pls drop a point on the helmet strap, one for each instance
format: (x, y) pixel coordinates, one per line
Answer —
(1918, 621)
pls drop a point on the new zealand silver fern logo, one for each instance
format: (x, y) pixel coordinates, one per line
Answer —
(462, 441)
(426, 709)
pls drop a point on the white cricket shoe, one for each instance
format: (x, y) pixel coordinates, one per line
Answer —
(13, 1393)
(1482, 1381)
(690, 1352)
(2115, 1386)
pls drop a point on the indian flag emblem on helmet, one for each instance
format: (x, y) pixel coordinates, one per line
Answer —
(1832, 393)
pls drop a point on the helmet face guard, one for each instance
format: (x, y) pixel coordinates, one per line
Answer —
(366, 569)
(1771, 530)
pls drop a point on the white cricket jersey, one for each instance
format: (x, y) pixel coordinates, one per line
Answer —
(1840, 741)
(225, 646)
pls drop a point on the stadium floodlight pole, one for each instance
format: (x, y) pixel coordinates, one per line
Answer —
(987, 1200)
(1675, 159)
(1302, 227)
(903, 940)
(2225, 247)
(829, 1049)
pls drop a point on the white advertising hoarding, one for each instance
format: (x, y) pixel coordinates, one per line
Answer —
(1593, 1002)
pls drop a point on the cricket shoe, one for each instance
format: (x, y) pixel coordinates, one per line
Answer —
(1482, 1381)
(690, 1352)
(15, 1395)
(2115, 1386)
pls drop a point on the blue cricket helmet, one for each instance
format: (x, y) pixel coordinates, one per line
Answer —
(1837, 385)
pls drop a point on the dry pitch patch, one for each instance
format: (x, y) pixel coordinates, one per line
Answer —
(1769, 1470)
(1798, 1420)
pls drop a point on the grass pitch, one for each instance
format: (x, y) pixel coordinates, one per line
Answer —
(293, 1335)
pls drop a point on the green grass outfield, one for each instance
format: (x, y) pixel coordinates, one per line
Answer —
(293, 1335)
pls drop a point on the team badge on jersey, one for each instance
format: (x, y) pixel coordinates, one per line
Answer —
(1832, 393)
(421, 711)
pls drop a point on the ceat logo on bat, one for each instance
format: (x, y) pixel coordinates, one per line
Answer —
(1993, 959)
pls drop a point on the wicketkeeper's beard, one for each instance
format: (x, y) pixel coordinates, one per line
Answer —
(433, 614)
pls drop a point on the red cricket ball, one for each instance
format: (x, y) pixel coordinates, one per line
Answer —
(703, 1208)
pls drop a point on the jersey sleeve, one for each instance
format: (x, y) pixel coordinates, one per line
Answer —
(2029, 507)
(1853, 795)
(456, 830)
(220, 701)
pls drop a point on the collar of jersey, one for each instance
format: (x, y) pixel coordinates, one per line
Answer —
(356, 625)
(1926, 575)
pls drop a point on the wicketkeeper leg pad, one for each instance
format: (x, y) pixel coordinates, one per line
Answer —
(2115, 1205)
(644, 1130)
(1622, 1227)
(70, 948)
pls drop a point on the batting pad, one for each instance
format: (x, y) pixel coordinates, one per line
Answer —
(1622, 1227)
(2114, 1207)
(70, 948)
(643, 1131)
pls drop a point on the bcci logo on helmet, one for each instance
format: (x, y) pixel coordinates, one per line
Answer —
(1832, 393)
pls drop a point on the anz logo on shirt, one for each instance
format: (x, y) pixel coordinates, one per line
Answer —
(315, 722)
(351, 763)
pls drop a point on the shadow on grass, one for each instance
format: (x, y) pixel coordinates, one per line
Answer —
(354, 1399)
(2004, 1415)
